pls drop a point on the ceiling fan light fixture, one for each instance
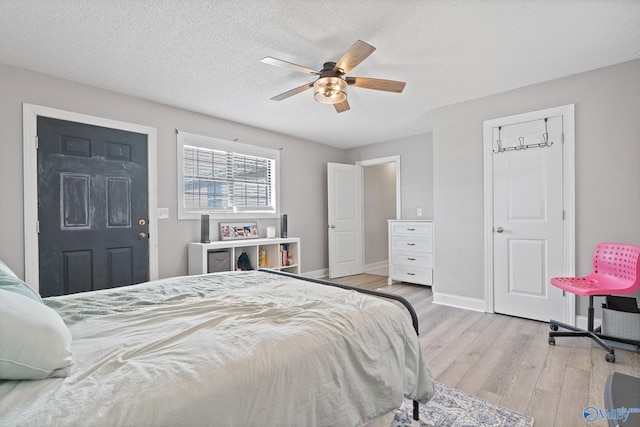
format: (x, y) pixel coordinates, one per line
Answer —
(330, 90)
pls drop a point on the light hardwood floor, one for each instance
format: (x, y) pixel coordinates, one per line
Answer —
(507, 360)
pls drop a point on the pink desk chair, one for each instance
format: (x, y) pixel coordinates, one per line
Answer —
(616, 271)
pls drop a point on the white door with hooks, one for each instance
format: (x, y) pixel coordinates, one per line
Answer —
(528, 213)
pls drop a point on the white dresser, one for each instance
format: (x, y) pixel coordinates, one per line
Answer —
(411, 251)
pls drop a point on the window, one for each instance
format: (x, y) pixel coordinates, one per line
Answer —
(226, 179)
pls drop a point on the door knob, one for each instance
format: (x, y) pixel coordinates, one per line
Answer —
(499, 230)
(332, 226)
(142, 236)
(142, 222)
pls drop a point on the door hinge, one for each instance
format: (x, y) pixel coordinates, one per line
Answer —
(36, 142)
(563, 215)
(38, 227)
(562, 138)
(564, 294)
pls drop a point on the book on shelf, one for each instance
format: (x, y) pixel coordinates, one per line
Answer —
(284, 255)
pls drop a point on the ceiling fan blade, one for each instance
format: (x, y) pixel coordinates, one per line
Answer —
(342, 106)
(377, 84)
(295, 67)
(292, 92)
(355, 55)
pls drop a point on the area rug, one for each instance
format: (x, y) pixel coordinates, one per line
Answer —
(452, 408)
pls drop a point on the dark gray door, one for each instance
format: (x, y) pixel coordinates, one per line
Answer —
(92, 207)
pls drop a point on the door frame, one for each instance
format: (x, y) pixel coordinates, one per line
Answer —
(372, 162)
(30, 114)
(382, 160)
(568, 184)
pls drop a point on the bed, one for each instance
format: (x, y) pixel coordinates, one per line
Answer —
(229, 349)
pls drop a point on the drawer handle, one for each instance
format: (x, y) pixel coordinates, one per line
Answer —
(411, 229)
(411, 259)
(411, 244)
(411, 274)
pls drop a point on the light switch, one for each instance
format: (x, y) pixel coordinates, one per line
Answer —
(163, 213)
(419, 212)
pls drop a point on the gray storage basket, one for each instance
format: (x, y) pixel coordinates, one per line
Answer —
(218, 261)
(621, 324)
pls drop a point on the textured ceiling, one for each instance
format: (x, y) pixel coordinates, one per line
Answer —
(204, 56)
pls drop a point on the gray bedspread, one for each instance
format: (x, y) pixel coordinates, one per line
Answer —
(233, 349)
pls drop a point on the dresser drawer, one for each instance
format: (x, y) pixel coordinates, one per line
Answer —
(413, 260)
(411, 275)
(407, 244)
(406, 228)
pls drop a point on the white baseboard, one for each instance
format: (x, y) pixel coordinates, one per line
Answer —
(581, 322)
(317, 274)
(458, 301)
(380, 268)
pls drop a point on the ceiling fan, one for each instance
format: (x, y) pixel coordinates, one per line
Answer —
(330, 87)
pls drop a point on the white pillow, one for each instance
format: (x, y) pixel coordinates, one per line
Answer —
(10, 282)
(34, 341)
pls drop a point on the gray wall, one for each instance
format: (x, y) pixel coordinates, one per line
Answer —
(416, 162)
(416, 178)
(303, 165)
(607, 125)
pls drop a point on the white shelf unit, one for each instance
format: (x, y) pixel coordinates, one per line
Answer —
(198, 254)
(411, 251)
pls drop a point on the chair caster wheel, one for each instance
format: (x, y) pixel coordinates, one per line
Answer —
(611, 358)
(553, 327)
(552, 341)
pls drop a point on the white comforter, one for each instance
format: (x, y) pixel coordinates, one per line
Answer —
(233, 349)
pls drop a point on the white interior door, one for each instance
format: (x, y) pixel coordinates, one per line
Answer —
(528, 219)
(345, 219)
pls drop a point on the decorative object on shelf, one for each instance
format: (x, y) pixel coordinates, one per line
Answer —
(271, 232)
(238, 230)
(263, 258)
(204, 229)
(283, 226)
(244, 263)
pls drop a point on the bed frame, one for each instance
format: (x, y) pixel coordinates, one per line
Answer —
(403, 301)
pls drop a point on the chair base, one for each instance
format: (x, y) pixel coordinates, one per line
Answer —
(577, 332)
(591, 332)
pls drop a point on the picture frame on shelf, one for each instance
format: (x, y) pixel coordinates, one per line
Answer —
(238, 230)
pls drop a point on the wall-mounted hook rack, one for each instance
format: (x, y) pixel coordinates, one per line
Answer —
(521, 142)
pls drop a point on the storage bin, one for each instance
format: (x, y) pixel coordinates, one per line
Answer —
(218, 261)
(621, 324)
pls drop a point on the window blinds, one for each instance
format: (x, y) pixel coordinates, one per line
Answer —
(226, 181)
